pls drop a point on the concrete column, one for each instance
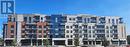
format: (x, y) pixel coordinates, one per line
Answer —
(42, 42)
(88, 42)
(118, 43)
(101, 43)
(4, 44)
(31, 43)
(52, 42)
(66, 42)
(110, 42)
(92, 43)
(95, 43)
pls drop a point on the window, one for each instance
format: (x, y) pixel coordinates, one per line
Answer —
(107, 35)
(71, 31)
(85, 31)
(111, 31)
(120, 20)
(79, 19)
(93, 35)
(45, 36)
(93, 19)
(113, 22)
(111, 35)
(76, 35)
(115, 31)
(89, 27)
(73, 18)
(85, 35)
(56, 20)
(116, 21)
(71, 27)
(13, 19)
(80, 31)
(85, 26)
(80, 27)
(80, 36)
(12, 26)
(107, 31)
(12, 31)
(67, 36)
(76, 26)
(40, 26)
(23, 31)
(108, 20)
(70, 42)
(89, 31)
(115, 26)
(100, 26)
(93, 31)
(114, 42)
(67, 31)
(93, 27)
(25, 19)
(111, 27)
(71, 36)
(23, 26)
(69, 18)
(45, 31)
(29, 19)
(40, 31)
(33, 31)
(12, 36)
(23, 36)
(107, 27)
(89, 35)
(40, 36)
(41, 18)
(102, 20)
(67, 26)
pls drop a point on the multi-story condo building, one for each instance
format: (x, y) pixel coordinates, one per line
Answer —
(57, 28)
(25, 29)
(91, 30)
(61, 29)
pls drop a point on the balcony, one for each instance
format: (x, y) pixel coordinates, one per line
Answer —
(28, 23)
(36, 20)
(93, 20)
(62, 23)
(99, 33)
(121, 20)
(102, 20)
(85, 39)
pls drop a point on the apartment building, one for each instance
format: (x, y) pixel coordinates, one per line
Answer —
(25, 29)
(62, 29)
(91, 29)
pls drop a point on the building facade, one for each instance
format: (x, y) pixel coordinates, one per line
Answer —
(61, 29)
(27, 29)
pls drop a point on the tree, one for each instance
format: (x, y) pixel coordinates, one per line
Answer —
(76, 41)
(105, 43)
(1, 41)
(46, 42)
(128, 39)
(14, 42)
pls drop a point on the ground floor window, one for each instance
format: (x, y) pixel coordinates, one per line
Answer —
(70, 42)
(59, 42)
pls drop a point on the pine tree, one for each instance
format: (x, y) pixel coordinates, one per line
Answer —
(46, 42)
(76, 42)
(105, 43)
(14, 42)
(1, 41)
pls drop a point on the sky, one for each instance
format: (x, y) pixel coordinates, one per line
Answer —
(96, 7)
